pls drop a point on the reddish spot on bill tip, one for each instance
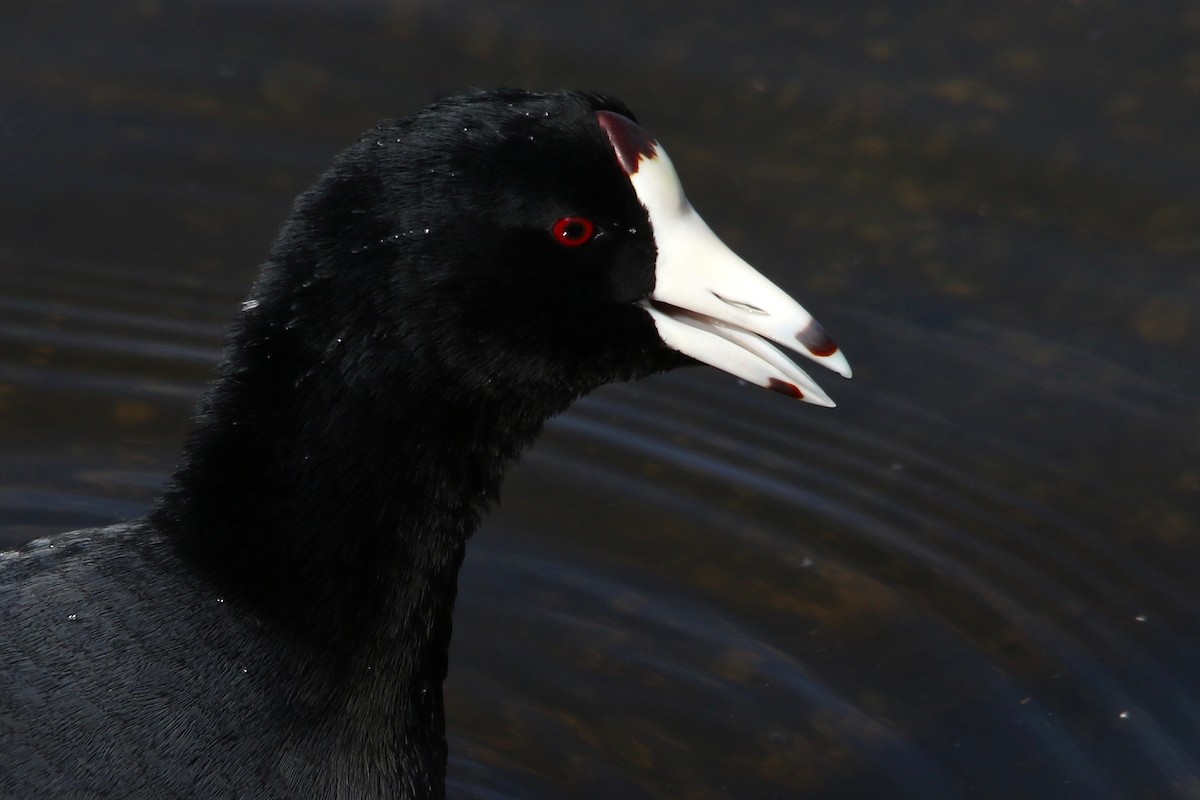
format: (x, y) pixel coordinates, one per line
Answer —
(783, 387)
(630, 141)
(816, 340)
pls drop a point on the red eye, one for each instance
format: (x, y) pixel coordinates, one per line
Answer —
(573, 231)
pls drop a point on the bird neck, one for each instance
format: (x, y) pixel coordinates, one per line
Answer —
(336, 512)
(320, 503)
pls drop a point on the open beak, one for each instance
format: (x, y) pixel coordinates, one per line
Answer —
(707, 302)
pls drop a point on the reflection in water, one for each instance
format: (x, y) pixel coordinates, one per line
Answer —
(974, 578)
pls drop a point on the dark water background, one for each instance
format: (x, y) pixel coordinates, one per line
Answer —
(977, 577)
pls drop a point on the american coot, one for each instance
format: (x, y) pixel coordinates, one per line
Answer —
(278, 625)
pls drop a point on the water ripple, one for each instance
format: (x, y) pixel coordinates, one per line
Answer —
(904, 548)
